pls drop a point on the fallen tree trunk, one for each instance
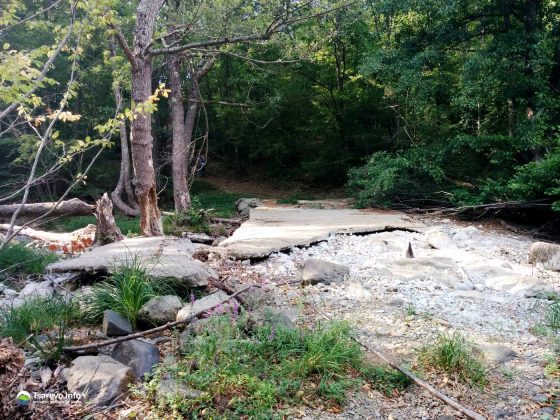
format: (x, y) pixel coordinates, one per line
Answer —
(53, 237)
(73, 207)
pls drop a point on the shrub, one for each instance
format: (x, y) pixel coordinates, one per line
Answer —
(195, 219)
(37, 316)
(254, 374)
(18, 259)
(125, 291)
(553, 315)
(452, 354)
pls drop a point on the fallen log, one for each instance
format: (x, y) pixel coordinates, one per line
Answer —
(53, 237)
(226, 221)
(73, 207)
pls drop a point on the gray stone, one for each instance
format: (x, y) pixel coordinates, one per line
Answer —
(496, 353)
(169, 388)
(442, 269)
(319, 271)
(2, 287)
(101, 378)
(206, 304)
(199, 238)
(10, 292)
(161, 309)
(244, 205)
(357, 290)
(268, 316)
(439, 240)
(545, 253)
(115, 324)
(162, 258)
(41, 289)
(139, 355)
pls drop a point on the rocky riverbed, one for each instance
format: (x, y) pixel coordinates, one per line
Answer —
(462, 278)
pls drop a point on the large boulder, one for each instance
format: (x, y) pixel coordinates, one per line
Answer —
(210, 305)
(443, 270)
(244, 205)
(139, 355)
(43, 289)
(162, 257)
(495, 353)
(101, 378)
(115, 324)
(319, 271)
(161, 309)
(545, 253)
(439, 240)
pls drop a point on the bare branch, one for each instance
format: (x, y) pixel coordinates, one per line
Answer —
(123, 43)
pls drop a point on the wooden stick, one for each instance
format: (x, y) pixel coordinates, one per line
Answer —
(387, 359)
(222, 286)
(74, 349)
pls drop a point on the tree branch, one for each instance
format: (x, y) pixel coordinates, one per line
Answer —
(124, 44)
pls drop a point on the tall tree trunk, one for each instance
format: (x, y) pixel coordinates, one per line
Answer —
(130, 208)
(141, 126)
(179, 158)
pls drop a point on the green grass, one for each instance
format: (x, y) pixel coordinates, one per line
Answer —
(125, 291)
(37, 316)
(128, 225)
(18, 259)
(553, 316)
(260, 373)
(452, 354)
(211, 197)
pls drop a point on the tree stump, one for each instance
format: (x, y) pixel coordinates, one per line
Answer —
(107, 230)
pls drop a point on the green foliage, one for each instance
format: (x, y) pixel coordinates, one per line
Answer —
(195, 219)
(252, 374)
(124, 291)
(453, 354)
(16, 258)
(552, 319)
(38, 316)
(386, 176)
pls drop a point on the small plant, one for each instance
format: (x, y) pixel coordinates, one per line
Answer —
(254, 372)
(553, 316)
(125, 291)
(452, 354)
(411, 310)
(37, 316)
(195, 218)
(18, 259)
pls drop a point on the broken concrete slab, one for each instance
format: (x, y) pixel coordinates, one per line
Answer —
(162, 257)
(273, 229)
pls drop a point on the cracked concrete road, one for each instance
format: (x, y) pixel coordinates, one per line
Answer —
(273, 229)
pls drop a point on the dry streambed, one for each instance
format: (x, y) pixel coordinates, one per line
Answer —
(462, 278)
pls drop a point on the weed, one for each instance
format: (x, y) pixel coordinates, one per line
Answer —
(553, 316)
(195, 219)
(18, 259)
(125, 291)
(37, 316)
(255, 374)
(411, 310)
(453, 354)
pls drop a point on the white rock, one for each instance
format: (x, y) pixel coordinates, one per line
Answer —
(42, 289)
(439, 240)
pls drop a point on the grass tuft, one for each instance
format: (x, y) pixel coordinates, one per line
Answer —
(125, 291)
(37, 316)
(258, 374)
(453, 354)
(18, 259)
(553, 316)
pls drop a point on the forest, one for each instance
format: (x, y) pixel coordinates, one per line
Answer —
(266, 209)
(402, 103)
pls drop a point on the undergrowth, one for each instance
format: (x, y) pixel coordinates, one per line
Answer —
(453, 355)
(37, 316)
(18, 259)
(260, 373)
(125, 291)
